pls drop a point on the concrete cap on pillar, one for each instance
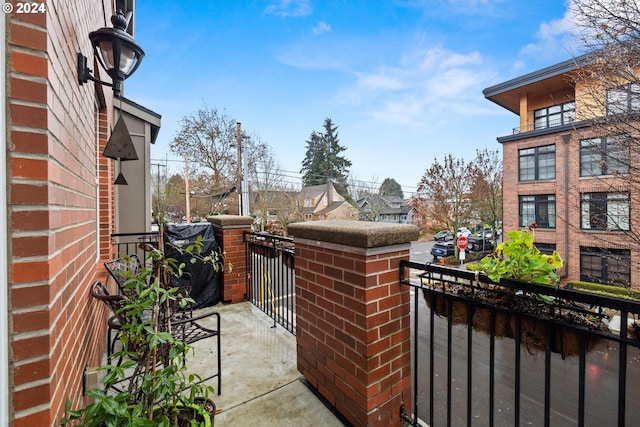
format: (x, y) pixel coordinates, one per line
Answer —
(229, 220)
(361, 234)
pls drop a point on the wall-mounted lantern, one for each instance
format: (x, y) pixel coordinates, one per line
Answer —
(116, 51)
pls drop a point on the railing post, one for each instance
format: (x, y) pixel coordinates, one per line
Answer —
(353, 316)
(229, 231)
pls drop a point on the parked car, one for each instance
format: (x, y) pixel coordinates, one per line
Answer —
(443, 236)
(442, 249)
(478, 244)
(463, 231)
(487, 233)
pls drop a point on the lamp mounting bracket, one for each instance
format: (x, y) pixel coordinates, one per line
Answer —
(84, 72)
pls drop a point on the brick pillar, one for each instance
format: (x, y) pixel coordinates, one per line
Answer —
(229, 230)
(353, 316)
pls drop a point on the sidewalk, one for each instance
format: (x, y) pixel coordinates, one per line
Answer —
(261, 385)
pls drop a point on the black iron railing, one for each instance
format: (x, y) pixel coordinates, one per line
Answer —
(134, 243)
(540, 126)
(271, 277)
(481, 362)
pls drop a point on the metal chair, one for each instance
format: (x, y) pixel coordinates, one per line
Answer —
(182, 325)
(114, 302)
(125, 268)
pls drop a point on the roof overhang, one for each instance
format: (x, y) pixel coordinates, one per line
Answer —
(142, 113)
(553, 78)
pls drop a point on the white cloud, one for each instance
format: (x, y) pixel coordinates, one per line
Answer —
(321, 27)
(378, 81)
(443, 59)
(289, 8)
(423, 88)
(518, 66)
(555, 39)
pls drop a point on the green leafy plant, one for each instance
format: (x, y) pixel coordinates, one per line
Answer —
(608, 290)
(519, 259)
(151, 386)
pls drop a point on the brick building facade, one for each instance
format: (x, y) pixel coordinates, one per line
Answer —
(559, 173)
(59, 209)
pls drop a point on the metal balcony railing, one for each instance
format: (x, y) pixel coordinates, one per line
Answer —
(540, 126)
(483, 362)
(134, 243)
(271, 277)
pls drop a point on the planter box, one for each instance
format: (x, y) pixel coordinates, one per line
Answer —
(537, 319)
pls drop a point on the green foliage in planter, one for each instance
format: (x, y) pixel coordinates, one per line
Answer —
(598, 288)
(159, 387)
(520, 260)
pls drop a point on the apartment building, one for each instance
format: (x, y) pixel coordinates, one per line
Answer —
(570, 176)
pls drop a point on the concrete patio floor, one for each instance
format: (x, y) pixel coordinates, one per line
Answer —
(261, 385)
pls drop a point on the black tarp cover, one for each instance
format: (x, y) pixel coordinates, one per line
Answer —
(205, 281)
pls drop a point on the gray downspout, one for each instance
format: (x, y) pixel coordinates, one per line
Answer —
(565, 138)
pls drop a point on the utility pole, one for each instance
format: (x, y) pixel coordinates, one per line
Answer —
(187, 193)
(159, 195)
(245, 184)
(239, 171)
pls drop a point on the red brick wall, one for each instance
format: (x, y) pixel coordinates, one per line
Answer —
(53, 257)
(107, 196)
(353, 330)
(229, 231)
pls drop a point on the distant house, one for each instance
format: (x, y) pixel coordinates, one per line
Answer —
(318, 202)
(383, 208)
(418, 215)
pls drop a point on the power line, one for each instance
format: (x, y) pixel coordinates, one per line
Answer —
(295, 178)
(362, 183)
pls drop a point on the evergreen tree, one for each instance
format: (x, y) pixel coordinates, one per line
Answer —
(313, 163)
(390, 187)
(323, 160)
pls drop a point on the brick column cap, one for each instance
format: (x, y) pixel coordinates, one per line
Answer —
(361, 234)
(230, 220)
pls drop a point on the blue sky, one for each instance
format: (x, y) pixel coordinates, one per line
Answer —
(402, 79)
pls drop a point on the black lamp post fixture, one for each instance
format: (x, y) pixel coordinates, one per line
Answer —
(116, 51)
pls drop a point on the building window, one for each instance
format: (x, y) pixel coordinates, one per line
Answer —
(623, 99)
(540, 209)
(537, 163)
(604, 156)
(607, 266)
(555, 115)
(604, 211)
(546, 248)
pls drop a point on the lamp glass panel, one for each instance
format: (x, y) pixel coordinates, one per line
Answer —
(127, 59)
(106, 52)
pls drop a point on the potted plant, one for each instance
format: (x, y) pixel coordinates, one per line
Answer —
(518, 259)
(515, 261)
(151, 387)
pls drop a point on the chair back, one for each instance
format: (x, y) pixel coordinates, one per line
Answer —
(100, 292)
(123, 269)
